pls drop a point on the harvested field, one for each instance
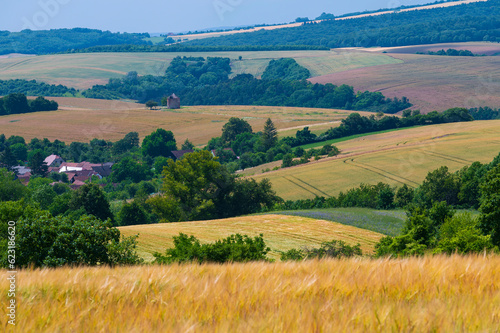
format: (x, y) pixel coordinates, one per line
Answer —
(430, 82)
(396, 158)
(281, 233)
(82, 120)
(479, 48)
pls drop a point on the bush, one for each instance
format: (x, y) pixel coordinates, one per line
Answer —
(332, 249)
(235, 248)
(461, 234)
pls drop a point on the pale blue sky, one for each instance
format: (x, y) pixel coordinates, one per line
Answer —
(171, 16)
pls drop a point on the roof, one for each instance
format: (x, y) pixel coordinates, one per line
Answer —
(21, 169)
(104, 170)
(180, 153)
(173, 96)
(51, 158)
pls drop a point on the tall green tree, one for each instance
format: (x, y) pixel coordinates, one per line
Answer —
(11, 189)
(270, 134)
(198, 187)
(92, 199)
(159, 143)
(8, 159)
(37, 164)
(234, 127)
(490, 205)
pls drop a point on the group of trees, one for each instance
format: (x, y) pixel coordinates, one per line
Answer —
(34, 88)
(485, 113)
(15, 103)
(452, 53)
(472, 22)
(198, 187)
(206, 82)
(45, 239)
(60, 40)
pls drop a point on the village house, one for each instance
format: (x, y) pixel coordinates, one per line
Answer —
(53, 160)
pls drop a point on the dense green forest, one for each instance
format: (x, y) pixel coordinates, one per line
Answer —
(60, 40)
(472, 22)
(200, 81)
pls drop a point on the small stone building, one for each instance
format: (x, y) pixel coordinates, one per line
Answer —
(173, 102)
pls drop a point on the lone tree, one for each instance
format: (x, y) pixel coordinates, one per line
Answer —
(270, 134)
(151, 104)
(234, 127)
(159, 143)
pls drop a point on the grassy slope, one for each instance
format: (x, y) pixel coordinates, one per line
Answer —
(430, 294)
(84, 119)
(85, 70)
(401, 157)
(281, 233)
(387, 222)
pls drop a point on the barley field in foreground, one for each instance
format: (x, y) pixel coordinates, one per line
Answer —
(429, 294)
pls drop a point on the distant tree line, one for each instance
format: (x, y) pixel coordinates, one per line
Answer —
(478, 21)
(60, 40)
(18, 103)
(195, 48)
(485, 113)
(34, 88)
(452, 53)
(357, 124)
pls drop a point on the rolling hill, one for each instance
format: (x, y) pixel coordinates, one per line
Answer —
(83, 119)
(82, 71)
(397, 158)
(430, 82)
(281, 233)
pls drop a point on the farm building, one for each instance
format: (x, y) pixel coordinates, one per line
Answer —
(173, 102)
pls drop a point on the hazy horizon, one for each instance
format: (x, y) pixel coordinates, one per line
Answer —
(155, 16)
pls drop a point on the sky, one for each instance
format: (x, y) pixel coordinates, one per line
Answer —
(161, 16)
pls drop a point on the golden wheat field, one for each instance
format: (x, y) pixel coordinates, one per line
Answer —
(429, 294)
(82, 119)
(397, 158)
(281, 233)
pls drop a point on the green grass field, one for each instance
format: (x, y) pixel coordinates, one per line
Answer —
(396, 158)
(387, 222)
(84, 70)
(281, 233)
